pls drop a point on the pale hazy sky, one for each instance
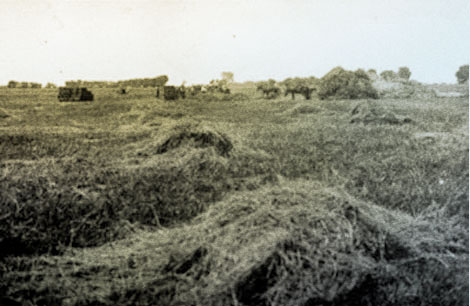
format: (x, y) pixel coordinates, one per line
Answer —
(195, 40)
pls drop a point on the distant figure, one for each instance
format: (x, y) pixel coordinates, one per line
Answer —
(123, 91)
(158, 92)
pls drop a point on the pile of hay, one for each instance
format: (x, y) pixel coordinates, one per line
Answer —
(189, 133)
(162, 180)
(344, 84)
(305, 109)
(369, 113)
(402, 89)
(302, 244)
(3, 114)
(186, 166)
(450, 90)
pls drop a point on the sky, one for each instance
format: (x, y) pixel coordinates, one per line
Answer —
(193, 41)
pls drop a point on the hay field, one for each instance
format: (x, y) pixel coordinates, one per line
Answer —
(131, 200)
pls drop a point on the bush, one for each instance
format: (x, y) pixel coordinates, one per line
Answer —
(462, 74)
(344, 84)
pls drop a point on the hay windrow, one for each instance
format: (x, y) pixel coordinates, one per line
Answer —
(189, 133)
(304, 109)
(369, 113)
(3, 114)
(403, 89)
(301, 244)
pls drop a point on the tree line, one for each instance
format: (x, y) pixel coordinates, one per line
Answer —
(142, 82)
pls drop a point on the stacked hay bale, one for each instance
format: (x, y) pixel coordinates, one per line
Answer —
(74, 94)
(170, 93)
(343, 84)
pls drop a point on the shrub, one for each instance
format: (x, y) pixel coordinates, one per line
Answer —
(344, 84)
(462, 74)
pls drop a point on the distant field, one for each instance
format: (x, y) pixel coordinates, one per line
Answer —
(132, 200)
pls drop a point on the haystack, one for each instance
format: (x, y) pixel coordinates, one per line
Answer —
(402, 89)
(371, 113)
(192, 134)
(302, 244)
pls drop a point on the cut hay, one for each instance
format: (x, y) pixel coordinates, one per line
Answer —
(303, 244)
(368, 113)
(305, 109)
(192, 134)
(401, 89)
(159, 114)
(191, 165)
(142, 189)
(3, 114)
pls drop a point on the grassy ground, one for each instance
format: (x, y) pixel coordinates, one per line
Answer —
(130, 200)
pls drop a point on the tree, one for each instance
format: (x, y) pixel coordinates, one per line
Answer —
(51, 85)
(404, 73)
(227, 76)
(12, 84)
(388, 75)
(462, 74)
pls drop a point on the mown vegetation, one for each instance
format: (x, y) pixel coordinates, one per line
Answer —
(228, 199)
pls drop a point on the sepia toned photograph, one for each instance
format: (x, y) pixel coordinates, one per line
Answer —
(234, 153)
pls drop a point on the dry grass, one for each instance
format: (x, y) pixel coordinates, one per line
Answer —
(240, 202)
(299, 244)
